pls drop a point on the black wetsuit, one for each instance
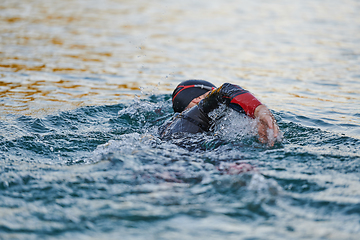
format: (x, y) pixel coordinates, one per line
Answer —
(197, 120)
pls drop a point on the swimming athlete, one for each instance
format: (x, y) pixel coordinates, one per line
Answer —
(193, 100)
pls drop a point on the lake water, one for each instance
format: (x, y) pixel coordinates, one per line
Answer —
(85, 85)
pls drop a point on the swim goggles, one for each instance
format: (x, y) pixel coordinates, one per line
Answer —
(192, 86)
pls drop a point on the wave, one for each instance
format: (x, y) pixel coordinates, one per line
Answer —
(78, 170)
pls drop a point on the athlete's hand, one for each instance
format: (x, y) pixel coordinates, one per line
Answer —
(268, 129)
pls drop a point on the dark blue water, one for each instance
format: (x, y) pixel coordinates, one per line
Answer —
(102, 172)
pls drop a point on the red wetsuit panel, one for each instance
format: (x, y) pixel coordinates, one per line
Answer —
(248, 102)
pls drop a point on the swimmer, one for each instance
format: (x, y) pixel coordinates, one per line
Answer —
(193, 100)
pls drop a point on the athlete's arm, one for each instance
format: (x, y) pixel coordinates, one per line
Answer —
(268, 129)
(233, 96)
(243, 101)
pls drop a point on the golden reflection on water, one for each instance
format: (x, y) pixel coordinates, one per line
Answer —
(31, 97)
(41, 96)
(80, 45)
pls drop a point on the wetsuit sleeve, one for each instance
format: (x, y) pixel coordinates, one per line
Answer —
(233, 96)
(190, 121)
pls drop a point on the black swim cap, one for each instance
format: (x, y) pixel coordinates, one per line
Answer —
(186, 91)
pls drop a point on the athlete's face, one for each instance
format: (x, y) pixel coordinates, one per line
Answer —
(195, 101)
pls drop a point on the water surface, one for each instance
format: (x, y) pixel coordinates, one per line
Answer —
(85, 85)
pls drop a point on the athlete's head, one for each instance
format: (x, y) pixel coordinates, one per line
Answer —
(188, 90)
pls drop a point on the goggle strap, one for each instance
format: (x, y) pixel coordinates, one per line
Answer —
(190, 86)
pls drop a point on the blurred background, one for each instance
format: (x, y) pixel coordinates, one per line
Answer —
(296, 56)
